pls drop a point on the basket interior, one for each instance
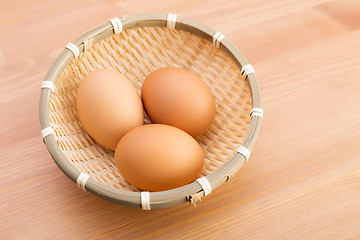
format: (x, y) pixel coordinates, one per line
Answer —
(135, 53)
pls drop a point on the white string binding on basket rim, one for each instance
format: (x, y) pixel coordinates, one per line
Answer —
(246, 70)
(73, 48)
(145, 200)
(257, 112)
(81, 180)
(48, 85)
(117, 25)
(205, 184)
(171, 21)
(47, 131)
(217, 38)
(244, 151)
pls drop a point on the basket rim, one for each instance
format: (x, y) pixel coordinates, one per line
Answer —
(163, 198)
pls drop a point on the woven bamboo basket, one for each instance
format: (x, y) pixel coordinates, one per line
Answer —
(135, 46)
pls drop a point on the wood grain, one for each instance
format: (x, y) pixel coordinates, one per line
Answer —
(303, 178)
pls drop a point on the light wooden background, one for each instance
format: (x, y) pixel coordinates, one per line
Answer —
(303, 178)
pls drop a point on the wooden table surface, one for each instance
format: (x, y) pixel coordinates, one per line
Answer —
(303, 178)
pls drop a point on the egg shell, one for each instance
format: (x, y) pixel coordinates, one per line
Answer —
(179, 98)
(108, 106)
(158, 157)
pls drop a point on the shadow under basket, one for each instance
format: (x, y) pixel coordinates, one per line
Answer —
(135, 46)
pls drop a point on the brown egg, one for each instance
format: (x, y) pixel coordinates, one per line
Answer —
(158, 157)
(108, 106)
(179, 98)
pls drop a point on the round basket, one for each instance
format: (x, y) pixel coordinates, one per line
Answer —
(135, 46)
